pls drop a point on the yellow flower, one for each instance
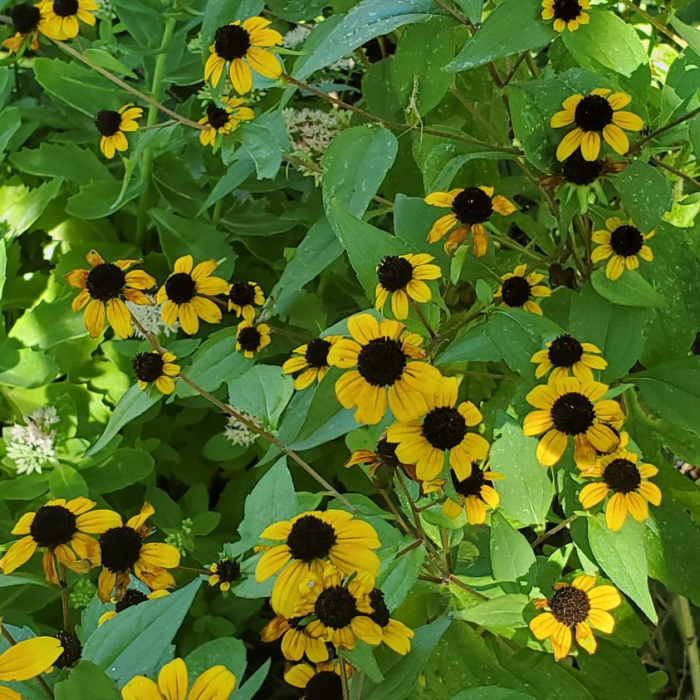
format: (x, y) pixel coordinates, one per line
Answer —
(296, 641)
(320, 683)
(627, 481)
(114, 125)
(576, 607)
(401, 277)
(101, 288)
(384, 355)
(475, 494)
(517, 290)
(243, 47)
(566, 13)
(63, 529)
(27, 22)
(571, 408)
(343, 612)
(185, 294)
(310, 539)
(152, 367)
(594, 114)
(312, 358)
(395, 634)
(132, 597)
(27, 659)
(471, 209)
(384, 455)
(173, 681)
(623, 244)
(243, 297)
(565, 354)
(61, 17)
(223, 120)
(444, 428)
(252, 338)
(123, 550)
(223, 573)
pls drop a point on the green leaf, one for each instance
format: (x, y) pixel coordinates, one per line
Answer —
(86, 680)
(618, 331)
(133, 404)
(496, 37)
(140, 636)
(472, 344)
(34, 368)
(101, 198)
(526, 492)
(368, 19)
(629, 290)
(66, 482)
(48, 324)
(398, 576)
(621, 555)
(492, 693)
(672, 390)
(263, 149)
(354, 167)
(20, 207)
(249, 689)
(511, 554)
(472, 9)
(606, 41)
(124, 467)
(645, 192)
(505, 611)
(66, 160)
(226, 652)
(262, 391)
(362, 658)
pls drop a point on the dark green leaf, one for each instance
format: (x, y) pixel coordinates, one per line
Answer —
(511, 554)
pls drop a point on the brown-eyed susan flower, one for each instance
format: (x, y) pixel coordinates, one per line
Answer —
(173, 681)
(101, 289)
(154, 368)
(443, 430)
(342, 611)
(72, 650)
(244, 48)
(384, 455)
(123, 550)
(567, 14)
(221, 121)
(575, 609)
(252, 337)
(309, 540)
(27, 22)
(572, 408)
(395, 634)
(185, 294)
(320, 683)
(243, 297)
(518, 290)
(628, 483)
(113, 127)
(224, 573)
(383, 363)
(566, 354)
(27, 659)
(595, 114)
(621, 245)
(471, 209)
(475, 493)
(63, 529)
(296, 641)
(132, 597)
(61, 17)
(311, 360)
(402, 278)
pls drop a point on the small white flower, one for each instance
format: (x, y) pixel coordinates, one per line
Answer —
(238, 433)
(150, 318)
(312, 130)
(296, 36)
(32, 446)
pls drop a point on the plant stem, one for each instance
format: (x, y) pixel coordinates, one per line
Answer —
(192, 570)
(64, 596)
(554, 530)
(147, 161)
(691, 642)
(655, 23)
(11, 640)
(664, 129)
(344, 677)
(423, 319)
(675, 171)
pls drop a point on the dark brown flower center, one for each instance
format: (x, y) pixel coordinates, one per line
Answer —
(311, 538)
(336, 607)
(65, 8)
(180, 287)
(121, 548)
(72, 650)
(108, 122)
(231, 41)
(386, 451)
(566, 9)
(148, 366)
(249, 338)
(573, 413)
(242, 293)
(579, 171)
(380, 614)
(444, 428)
(105, 281)
(53, 526)
(325, 685)
(515, 291)
(622, 476)
(593, 113)
(394, 273)
(25, 18)
(131, 598)
(217, 116)
(471, 486)
(626, 240)
(381, 362)
(472, 206)
(565, 351)
(228, 570)
(317, 352)
(570, 605)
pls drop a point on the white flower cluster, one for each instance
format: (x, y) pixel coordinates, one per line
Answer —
(312, 130)
(32, 446)
(149, 317)
(238, 433)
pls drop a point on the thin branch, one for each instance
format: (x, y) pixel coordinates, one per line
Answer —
(675, 171)
(664, 129)
(655, 23)
(344, 677)
(554, 530)
(423, 319)
(691, 643)
(64, 596)
(515, 67)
